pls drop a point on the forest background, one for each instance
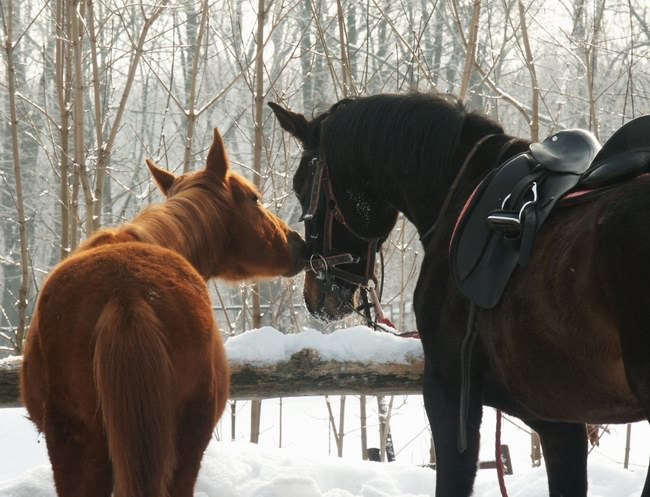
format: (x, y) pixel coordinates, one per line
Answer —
(90, 88)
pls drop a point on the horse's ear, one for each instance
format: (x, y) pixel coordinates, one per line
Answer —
(164, 179)
(217, 163)
(294, 123)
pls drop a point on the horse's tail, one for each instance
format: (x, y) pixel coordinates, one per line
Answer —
(133, 376)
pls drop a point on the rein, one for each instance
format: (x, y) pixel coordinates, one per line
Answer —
(471, 332)
(459, 175)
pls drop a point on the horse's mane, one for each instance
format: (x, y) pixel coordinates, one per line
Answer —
(190, 221)
(416, 132)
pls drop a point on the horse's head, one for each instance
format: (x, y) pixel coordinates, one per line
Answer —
(345, 219)
(225, 211)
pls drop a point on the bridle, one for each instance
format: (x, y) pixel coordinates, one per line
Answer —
(321, 195)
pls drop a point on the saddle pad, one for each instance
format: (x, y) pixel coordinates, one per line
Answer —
(482, 258)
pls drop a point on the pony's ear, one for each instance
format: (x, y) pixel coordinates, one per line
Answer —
(217, 163)
(294, 123)
(164, 179)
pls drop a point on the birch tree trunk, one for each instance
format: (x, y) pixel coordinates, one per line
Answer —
(347, 81)
(192, 97)
(339, 433)
(530, 65)
(20, 205)
(471, 48)
(63, 76)
(258, 100)
(363, 419)
(387, 450)
(94, 199)
(591, 61)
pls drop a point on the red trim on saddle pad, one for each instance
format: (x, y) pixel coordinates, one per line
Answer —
(461, 216)
(579, 196)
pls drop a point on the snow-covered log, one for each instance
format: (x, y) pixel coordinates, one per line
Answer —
(267, 364)
(9, 391)
(305, 373)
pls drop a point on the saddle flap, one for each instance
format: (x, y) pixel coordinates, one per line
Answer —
(568, 151)
(498, 225)
(473, 246)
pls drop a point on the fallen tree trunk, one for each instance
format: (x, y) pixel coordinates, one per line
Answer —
(9, 390)
(305, 373)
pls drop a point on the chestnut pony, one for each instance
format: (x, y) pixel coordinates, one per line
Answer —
(124, 369)
(569, 341)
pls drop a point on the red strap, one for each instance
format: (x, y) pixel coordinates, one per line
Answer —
(499, 457)
(386, 321)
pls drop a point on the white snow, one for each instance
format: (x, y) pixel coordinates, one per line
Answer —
(357, 344)
(305, 466)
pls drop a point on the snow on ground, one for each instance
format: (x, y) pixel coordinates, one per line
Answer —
(305, 466)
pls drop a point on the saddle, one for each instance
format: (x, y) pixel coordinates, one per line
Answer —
(498, 225)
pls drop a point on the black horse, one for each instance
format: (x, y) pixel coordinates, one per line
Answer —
(569, 341)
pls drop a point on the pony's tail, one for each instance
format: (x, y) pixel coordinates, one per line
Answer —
(134, 381)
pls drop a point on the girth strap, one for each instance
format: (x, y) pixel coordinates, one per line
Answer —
(465, 374)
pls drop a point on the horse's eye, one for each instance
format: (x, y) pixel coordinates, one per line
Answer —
(256, 199)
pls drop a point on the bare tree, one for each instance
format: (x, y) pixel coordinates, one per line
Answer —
(530, 65)
(19, 334)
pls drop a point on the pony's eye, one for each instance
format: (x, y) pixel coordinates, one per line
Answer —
(256, 199)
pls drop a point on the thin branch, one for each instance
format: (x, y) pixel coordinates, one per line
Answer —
(471, 47)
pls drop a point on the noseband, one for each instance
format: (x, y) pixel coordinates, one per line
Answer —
(322, 195)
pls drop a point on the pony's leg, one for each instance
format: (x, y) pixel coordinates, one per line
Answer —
(195, 427)
(565, 456)
(33, 378)
(79, 455)
(455, 470)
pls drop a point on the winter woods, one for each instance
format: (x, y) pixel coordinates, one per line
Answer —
(89, 89)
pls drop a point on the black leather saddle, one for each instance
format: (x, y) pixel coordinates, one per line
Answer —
(503, 215)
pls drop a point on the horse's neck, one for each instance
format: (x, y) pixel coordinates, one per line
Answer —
(423, 202)
(181, 232)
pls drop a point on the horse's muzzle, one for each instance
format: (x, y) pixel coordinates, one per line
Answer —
(298, 250)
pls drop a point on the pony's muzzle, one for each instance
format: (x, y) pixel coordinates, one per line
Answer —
(298, 251)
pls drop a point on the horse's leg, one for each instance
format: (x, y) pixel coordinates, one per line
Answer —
(195, 427)
(638, 372)
(565, 456)
(455, 470)
(78, 453)
(33, 379)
